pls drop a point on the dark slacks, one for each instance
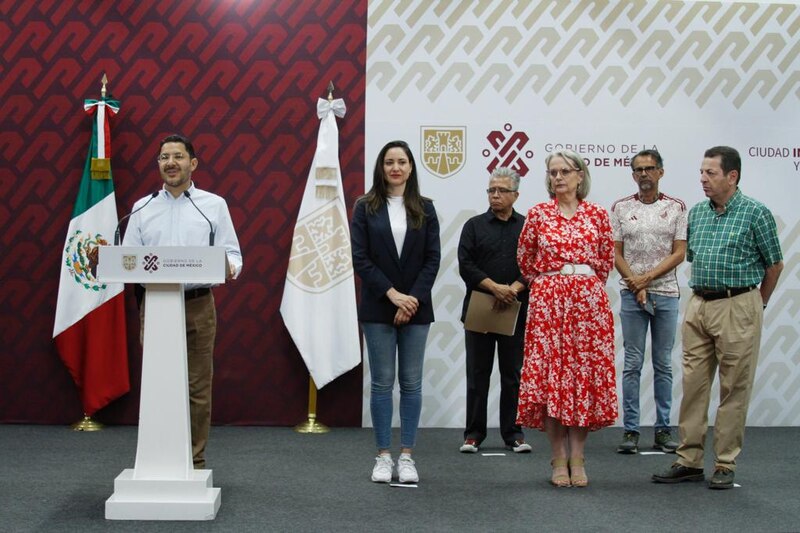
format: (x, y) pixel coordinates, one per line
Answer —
(480, 360)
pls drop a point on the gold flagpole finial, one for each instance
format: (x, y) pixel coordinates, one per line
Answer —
(100, 168)
(330, 91)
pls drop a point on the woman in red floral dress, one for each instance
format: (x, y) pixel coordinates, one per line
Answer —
(568, 385)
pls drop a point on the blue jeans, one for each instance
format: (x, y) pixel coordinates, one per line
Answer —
(390, 348)
(663, 324)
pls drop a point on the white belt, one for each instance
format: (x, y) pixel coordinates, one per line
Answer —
(570, 269)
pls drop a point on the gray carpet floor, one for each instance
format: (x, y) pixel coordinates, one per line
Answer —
(273, 479)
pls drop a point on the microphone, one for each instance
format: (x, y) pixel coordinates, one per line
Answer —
(119, 224)
(211, 227)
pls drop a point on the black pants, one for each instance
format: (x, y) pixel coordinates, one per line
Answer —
(480, 360)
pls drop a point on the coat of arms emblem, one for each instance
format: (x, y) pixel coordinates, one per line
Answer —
(320, 256)
(129, 262)
(443, 149)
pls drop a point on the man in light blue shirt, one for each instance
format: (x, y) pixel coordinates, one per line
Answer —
(175, 217)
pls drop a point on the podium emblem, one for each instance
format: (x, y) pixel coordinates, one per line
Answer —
(320, 256)
(129, 262)
(443, 149)
(150, 263)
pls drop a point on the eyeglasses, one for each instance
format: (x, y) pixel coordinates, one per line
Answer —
(177, 157)
(642, 170)
(564, 172)
(501, 190)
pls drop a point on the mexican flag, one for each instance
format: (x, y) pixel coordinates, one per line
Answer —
(89, 329)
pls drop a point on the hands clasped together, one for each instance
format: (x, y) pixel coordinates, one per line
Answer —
(638, 285)
(504, 295)
(407, 306)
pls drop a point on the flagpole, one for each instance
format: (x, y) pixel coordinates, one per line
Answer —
(312, 425)
(87, 423)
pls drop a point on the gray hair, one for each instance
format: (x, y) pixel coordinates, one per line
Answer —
(649, 153)
(505, 172)
(577, 163)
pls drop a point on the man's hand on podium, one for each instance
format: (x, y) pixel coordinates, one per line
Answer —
(229, 269)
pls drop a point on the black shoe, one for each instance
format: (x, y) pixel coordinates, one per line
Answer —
(519, 446)
(677, 473)
(630, 443)
(722, 478)
(663, 441)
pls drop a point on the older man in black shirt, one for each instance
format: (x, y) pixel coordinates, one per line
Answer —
(487, 262)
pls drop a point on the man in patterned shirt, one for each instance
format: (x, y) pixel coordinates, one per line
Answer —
(649, 242)
(736, 262)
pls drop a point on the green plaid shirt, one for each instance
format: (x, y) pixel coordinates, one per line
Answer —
(734, 248)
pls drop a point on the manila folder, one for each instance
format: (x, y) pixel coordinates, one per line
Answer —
(482, 318)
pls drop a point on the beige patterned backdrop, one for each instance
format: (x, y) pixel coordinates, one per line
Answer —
(606, 78)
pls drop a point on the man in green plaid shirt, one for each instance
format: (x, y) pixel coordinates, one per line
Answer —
(736, 262)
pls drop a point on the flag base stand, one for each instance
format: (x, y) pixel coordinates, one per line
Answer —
(163, 499)
(87, 424)
(312, 425)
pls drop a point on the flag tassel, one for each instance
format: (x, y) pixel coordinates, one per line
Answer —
(326, 183)
(100, 168)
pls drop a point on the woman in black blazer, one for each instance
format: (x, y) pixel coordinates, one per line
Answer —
(396, 254)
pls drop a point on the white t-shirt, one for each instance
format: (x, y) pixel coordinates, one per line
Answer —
(398, 221)
(648, 232)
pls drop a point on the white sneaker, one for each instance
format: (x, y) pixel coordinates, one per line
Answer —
(469, 446)
(406, 471)
(382, 471)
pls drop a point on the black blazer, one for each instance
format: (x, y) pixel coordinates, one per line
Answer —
(376, 262)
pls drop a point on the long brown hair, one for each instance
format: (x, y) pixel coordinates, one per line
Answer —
(377, 196)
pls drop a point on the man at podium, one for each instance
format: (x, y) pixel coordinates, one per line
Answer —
(183, 215)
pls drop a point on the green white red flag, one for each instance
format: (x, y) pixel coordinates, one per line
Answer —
(89, 329)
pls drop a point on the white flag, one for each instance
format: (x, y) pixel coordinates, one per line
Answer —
(319, 299)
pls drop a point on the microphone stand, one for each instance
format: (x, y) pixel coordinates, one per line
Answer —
(210, 226)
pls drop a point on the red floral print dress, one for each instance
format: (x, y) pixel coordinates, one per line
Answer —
(568, 371)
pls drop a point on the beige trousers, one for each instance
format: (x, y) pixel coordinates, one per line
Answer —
(720, 334)
(201, 332)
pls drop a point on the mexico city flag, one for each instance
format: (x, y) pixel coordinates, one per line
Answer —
(319, 298)
(89, 329)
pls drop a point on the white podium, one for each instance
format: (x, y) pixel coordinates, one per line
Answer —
(163, 484)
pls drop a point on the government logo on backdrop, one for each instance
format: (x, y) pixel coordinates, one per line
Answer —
(443, 149)
(320, 256)
(508, 150)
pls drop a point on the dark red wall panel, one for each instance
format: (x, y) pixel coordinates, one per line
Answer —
(241, 79)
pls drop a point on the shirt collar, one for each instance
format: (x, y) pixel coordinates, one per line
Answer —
(639, 199)
(732, 202)
(167, 194)
(489, 215)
